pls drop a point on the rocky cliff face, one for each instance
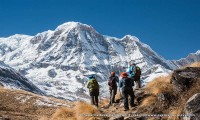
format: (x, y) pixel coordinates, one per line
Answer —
(13, 79)
(58, 61)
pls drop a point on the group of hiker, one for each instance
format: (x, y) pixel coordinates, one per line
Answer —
(126, 83)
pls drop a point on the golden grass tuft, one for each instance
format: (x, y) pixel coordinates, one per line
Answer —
(174, 113)
(118, 95)
(148, 101)
(82, 108)
(44, 118)
(160, 84)
(104, 102)
(63, 114)
(195, 64)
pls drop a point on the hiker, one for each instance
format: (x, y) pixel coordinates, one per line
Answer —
(135, 73)
(126, 84)
(113, 80)
(93, 87)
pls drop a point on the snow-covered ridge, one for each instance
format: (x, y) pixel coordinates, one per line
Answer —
(17, 36)
(192, 57)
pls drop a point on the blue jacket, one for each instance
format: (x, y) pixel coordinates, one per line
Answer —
(130, 71)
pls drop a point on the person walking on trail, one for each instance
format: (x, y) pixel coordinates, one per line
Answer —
(93, 87)
(135, 73)
(113, 80)
(126, 84)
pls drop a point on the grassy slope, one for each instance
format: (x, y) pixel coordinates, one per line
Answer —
(22, 105)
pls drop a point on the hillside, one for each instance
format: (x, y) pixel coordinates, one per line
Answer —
(22, 105)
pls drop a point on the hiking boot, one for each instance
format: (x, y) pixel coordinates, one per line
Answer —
(126, 109)
(133, 105)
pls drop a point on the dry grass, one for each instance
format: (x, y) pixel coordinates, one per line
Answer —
(174, 113)
(104, 102)
(28, 109)
(148, 101)
(79, 112)
(63, 114)
(195, 64)
(159, 85)
(85, 108)
(44, 118)
(118, 95)
(22, 105)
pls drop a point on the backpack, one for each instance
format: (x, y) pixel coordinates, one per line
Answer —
(93, 85)
(127, 82)
(137, 71)
(112, 82)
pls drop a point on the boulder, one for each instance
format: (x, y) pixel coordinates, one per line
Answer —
(182, 79)
(52, 73)
(192, 108)
(165, 100)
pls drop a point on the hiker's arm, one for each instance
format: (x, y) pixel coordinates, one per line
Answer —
(117, 79)
(88, 84)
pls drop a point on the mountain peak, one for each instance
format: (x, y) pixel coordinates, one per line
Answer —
(131, 38)
(71, 25)
(198, 52)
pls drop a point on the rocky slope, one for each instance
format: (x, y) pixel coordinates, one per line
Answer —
(23, 105)
(10, 78)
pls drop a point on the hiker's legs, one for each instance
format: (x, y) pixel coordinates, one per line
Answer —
(110, 96)
(137, 81)
(114, 92)
(96, 100)
(125, 96)
(92, 100)
(131, 93)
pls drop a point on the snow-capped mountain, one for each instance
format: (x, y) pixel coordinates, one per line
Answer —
(12, 79)
(58, 61)
(192, 57)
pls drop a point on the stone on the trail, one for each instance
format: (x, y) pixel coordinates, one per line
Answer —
(192, 107)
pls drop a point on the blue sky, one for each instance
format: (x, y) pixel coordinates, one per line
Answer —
(170, 27)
